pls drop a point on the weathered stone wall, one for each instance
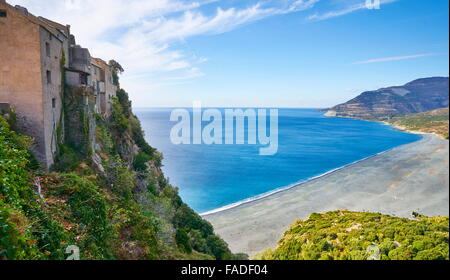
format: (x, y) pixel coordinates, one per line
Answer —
(111, 90)
(72, 78)
(79, 108)
(52, 92)
(21, 76)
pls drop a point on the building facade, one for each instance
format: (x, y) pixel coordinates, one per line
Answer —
(31, 54)
(103, 83)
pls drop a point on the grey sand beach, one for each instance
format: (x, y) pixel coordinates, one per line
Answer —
(413, 177)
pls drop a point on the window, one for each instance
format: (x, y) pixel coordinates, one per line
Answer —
(53, 103)
(49, 36)
(47, 49)
(83, 79)
(49, 77)
(3, 13)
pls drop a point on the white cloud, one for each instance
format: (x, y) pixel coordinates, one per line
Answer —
(396, 58)
(141, 34)
(361, 5)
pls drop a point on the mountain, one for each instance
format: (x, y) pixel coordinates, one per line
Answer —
(415, 97)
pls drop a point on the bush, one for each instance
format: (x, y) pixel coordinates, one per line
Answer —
(118, 119)
(88, 209)
(119, 178)
(348, 235)
(182, 240)
(140, 161)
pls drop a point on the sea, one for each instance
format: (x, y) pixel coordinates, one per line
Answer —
(215, 177)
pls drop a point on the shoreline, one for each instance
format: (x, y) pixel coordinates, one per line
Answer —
(399, 181)
(268, 194)
(300, 183)
(418, 132)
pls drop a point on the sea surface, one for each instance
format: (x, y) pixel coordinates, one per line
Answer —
(216, 176)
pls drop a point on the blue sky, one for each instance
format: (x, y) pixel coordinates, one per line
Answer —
(258, 53)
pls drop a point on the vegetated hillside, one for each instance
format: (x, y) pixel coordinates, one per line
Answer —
(415, 97)
(112, 202)
(345, 235)
(436, 121)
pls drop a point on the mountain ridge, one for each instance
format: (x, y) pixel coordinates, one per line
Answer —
(417, 96)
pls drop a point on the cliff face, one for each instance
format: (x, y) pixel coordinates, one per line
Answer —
(106, 194)
(417, 96)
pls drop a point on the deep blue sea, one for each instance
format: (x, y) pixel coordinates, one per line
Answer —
(214, 176)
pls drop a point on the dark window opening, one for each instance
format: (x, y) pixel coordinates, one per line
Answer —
(83, 79)
(47, 49)
(3, 13)
(53, 103)
(49, 77)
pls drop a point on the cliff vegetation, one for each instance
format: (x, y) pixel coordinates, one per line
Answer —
(345, 235)
(435, 121)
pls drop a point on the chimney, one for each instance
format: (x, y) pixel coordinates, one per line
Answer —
(72, 41)
(21, 10)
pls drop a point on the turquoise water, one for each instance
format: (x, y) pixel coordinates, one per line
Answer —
(210, 177)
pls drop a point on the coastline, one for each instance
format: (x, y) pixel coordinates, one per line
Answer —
(404, 129)
(300, 183)
(268, 194)
(412, 177)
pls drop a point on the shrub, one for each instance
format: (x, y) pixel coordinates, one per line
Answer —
(348, 236)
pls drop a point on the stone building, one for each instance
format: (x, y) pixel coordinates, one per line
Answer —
(32, 51)
(103, 82)
(35, 53)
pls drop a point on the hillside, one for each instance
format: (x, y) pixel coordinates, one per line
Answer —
(344, 235)
(436, 121)
(110, 200)
(415, 97)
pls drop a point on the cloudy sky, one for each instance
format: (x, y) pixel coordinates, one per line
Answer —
(258, 53)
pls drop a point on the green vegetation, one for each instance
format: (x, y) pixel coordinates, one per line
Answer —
(112, 201)
(436, 121)
(345, 235)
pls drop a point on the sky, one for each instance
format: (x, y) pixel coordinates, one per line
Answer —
(258, 53)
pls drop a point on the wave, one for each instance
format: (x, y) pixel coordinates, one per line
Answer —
(291, 186)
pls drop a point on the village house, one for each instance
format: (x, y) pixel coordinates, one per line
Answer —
(35, 52)
(103, 83)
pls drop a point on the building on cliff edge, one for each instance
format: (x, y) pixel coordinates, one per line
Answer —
(39, 60)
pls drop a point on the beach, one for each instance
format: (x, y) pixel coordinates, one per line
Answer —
(412, 177)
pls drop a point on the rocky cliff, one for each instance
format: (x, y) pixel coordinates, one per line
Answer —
(106, 197)
(417, 96)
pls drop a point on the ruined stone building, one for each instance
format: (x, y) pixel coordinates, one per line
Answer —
(39, 58)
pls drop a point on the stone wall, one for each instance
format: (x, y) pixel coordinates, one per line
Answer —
(52, 92)
(21, 76)
(79, 118)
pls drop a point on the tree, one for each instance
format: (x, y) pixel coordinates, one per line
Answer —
(116, 66)
(116, 70)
